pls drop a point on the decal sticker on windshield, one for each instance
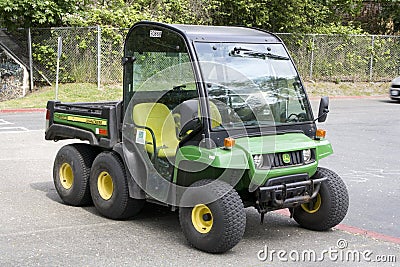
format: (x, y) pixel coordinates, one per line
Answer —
(155, 34)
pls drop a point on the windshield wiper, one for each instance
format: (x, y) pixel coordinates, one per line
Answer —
(237, 52)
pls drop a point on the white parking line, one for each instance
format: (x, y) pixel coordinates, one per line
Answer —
(4, 122)
(13, 129)
(10, 129)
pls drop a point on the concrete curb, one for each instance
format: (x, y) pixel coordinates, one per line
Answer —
(352, 230)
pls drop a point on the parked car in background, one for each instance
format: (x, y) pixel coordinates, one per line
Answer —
(394, 91)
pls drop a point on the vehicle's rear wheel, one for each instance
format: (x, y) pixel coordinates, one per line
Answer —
(109, 188)
(215, 222)
(328, 208)
(71, 171)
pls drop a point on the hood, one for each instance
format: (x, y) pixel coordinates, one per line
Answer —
(396, 81)
(276, 143)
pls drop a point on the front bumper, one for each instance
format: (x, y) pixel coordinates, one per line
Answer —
(288, 191)
(394, 93)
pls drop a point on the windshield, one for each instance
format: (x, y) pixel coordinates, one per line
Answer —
(252, 84)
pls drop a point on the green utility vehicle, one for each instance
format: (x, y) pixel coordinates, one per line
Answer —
(213, 120)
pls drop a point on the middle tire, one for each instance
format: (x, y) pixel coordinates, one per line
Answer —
(109, 188)
(215, 221)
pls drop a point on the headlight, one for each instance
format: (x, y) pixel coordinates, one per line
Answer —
(307, 156)
(258, 160)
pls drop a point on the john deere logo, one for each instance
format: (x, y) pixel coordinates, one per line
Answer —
(286, 158)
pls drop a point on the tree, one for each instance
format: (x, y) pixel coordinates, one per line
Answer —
(303, 16)
(35, 13)
(389, 17)
(380, 16)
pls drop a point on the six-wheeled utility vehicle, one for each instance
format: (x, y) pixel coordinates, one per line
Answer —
(213, 120)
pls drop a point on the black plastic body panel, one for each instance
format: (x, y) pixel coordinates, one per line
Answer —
(111, 111)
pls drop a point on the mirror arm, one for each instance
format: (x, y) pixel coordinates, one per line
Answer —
(326, 111)
(128, 60)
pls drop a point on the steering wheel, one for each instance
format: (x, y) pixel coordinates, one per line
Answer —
(296, 117)
(179, 87)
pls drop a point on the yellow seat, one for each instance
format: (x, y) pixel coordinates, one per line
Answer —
(158, 118)
(215, 116)
(191, 109)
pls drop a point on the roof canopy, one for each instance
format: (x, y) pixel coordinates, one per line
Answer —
(155, 36)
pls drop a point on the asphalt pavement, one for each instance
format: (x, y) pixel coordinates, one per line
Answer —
(365, 137)
(38, 230)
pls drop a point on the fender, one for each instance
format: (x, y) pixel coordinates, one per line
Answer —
(134, 189)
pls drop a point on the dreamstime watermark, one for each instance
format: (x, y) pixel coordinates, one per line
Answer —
(339, 253)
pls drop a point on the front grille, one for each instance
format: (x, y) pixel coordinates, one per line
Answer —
(396, 86)
(285, 159)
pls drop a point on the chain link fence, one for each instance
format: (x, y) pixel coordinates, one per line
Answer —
(78, 61)
(317, 57)
(88, 54)
(93, 54)
(345, 57)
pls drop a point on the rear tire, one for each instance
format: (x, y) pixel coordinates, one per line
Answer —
(330, 206)
(217, 226)
(71, 171)
(109, 188)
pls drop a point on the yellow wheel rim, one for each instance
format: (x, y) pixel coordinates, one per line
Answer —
(314, 207)
(66, 175)
(202, 218)
(105, 185)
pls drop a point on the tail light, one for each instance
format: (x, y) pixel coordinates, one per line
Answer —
(47, 118)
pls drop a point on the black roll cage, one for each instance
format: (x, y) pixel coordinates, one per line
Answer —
(194, 33)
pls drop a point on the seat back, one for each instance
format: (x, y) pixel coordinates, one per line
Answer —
(158, 118)
(216, 119)
(190, 109)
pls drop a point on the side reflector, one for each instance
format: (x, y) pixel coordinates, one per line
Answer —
(101, 131)
(320, 134)
(229, 142)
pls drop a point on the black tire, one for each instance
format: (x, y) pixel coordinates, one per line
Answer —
(329, 208)
(109, 188)
(71, 172)
(226, 214)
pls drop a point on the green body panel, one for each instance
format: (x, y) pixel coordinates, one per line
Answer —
(96, 125)
(276, 143)
(324, 149)
(240, 156)
(216, 157)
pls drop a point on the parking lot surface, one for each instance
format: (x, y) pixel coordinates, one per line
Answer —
(37, 229)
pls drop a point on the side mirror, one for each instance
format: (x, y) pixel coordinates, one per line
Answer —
(323, 109)
(193, 125)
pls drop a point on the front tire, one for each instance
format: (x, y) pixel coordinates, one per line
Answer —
(109, 188)
(328, 208)
(217, 226)
(71, 171)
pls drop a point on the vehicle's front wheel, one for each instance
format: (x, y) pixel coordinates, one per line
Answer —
(109, 188)
(328, 208)
(71, 173)
(215, 221)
